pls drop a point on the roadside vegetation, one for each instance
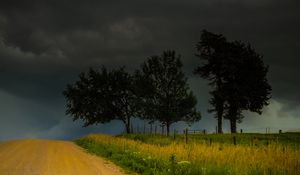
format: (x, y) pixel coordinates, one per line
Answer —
(162, 155)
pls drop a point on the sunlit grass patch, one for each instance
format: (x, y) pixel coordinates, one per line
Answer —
(195, 157)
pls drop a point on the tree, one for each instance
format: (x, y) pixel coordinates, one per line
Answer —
(102, 96)
(238, 77)
(166, 95)
(246, 86)
(213, 53)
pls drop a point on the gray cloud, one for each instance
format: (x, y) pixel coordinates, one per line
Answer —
(45, 44)
(22, 116)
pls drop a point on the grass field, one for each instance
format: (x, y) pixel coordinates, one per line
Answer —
(285, 139)
(202, 154)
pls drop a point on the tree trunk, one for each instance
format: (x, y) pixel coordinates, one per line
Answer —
(127, 125)
(220, 119)
(220, 105)
(168, 128)
(233, 125)
(220, 131)
(232, 114)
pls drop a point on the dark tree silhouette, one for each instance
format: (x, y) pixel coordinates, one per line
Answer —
(102, 96)
(246, 86)
(212, 51)
(167, 98)
(238, 77)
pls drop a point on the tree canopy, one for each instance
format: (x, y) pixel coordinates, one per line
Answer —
(246, 86)
(100, 96)
(168, 98)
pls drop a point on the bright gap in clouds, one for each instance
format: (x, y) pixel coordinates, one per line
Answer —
(275, 117)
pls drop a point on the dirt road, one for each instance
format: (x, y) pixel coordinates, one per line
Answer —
(49, 157)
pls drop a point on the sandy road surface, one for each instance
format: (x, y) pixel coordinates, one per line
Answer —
(49, 157)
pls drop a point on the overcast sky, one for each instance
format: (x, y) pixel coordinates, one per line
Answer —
(44, 45)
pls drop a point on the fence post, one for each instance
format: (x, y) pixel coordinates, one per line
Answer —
(186, 135)
(210, 141)
(268, 130)
(241, 131)
(151, 128)
(155, 130)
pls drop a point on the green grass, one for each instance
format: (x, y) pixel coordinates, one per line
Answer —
(288, 139)
(136, 162)
(129, 160)
(146, 164)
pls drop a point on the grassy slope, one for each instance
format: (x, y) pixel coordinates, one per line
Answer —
(161, 155)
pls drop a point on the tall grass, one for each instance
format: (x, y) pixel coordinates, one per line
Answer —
(285, 139)
(195, 157)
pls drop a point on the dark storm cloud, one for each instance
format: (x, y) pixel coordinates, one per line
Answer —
(45, 44)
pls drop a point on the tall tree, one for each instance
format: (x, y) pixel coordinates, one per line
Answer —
(246, 86)
(236, 73)
(102, 96)
(212, 51)
(168, 98)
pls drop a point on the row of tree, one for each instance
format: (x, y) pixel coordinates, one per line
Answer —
(158, 91)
